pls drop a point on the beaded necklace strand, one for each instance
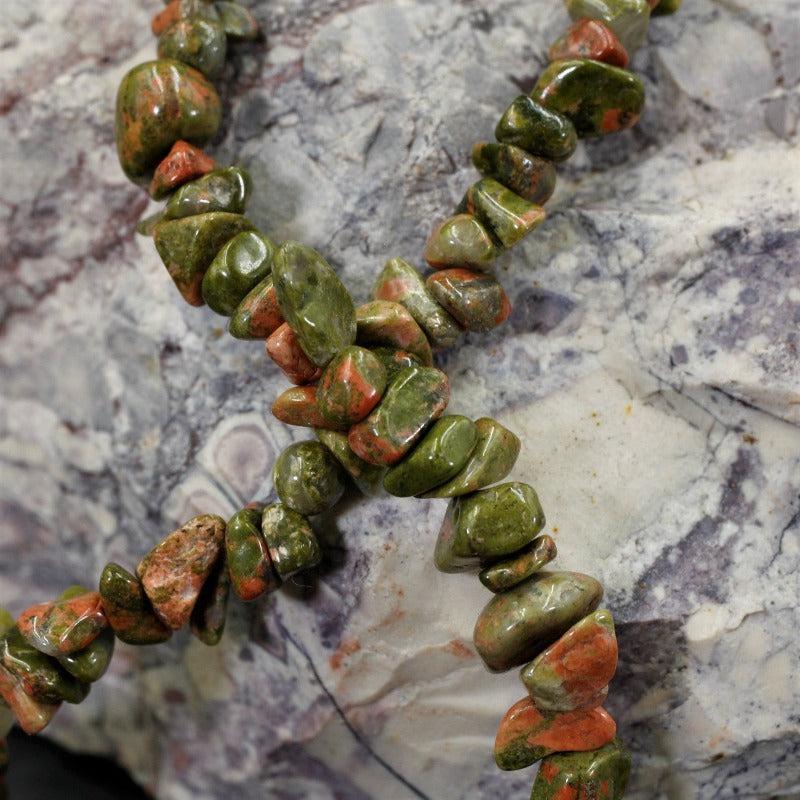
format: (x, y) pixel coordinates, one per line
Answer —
(364, 380)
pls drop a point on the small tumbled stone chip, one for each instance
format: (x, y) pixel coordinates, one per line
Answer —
(207, 622)
(188, 246)
(574, 672)
(460, 241)
(90, 664)
(258, 316)
(492, 459)
(313, 301)
(590, 38)
(531, 177)
(298, 406)
(219, 190)
(158, 103)
(414, 399)
(536, 129)
(488, 525)
(237, 268)
(475, 299)
(628, 19)
(293, 547)
(442, 452)
(518, 624)
(308, 479)
(602, 774)
(506, 216)
(182, 164)
(504, 574)
(394, 360)
(382, 322)
(32, 715)
(127, 608)
(174, 571)
(195, 41)
(65, 625)
(367, 477)
(350, 387)
(526, 735)
(400, 283)
(597, 97)
(284, 349)
(249, 565)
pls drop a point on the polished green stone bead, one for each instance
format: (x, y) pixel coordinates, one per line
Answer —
(127, 608)
(158, 103)
(350, 386)
(665, 7)
(597, 97)
(313, 301)
(394, 361)
(188, 246)
(475, 299)
(41, 675)
(505, 215)
(507, 573)
(90, 664)
(207, 622)
(487, 525)
(414, 399)
(249, 564)
(539, 130)
(198, 42)
(516, 625)
(367, 477)
(627, 18)
(236, 20)
(531, 177)
(384, 322)
(492, 459)
(6, 621)
(308, 479)
(399, 282)
(293, 547)
(601, 774)
(441, 453)
(237, 268)
(258, 315)
(218, 190)
(460, 241)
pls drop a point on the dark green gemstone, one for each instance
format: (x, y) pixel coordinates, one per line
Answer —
(158, 103)
(509, 572)
(308, 479)
(90, 664)
(601, 774)
(539, 130)
(208, 615)
(313, 301)
(237, 21)
(627, 18)
(492, 459)
(439, 456)
(401, 283)
(219, 190)
(516, 625)
(505, 215)
(198, 42)
(292, 544)
(188, 246)
(384, 322)
(237, 268)
(487, 525)
(42, 676)
(475, 299)
(460, 241)
(394, 361)
(249, 564)
(597, 97)
(367, 477)
(531, 177)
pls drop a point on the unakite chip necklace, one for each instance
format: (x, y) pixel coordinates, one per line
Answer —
(365, 382)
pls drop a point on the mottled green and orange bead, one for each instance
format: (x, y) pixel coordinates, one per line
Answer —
(351, 386)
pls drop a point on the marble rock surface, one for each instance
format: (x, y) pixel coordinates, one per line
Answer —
(650, 367)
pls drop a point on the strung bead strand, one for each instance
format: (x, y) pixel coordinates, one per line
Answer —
(364, 380)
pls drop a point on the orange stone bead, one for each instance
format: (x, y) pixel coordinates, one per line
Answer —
(298, 406)
(182, 164)
(590, 38)
(284, 349)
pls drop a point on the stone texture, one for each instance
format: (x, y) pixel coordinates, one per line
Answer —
(654, 332)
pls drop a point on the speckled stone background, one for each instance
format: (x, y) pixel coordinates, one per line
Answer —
(650, 365)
